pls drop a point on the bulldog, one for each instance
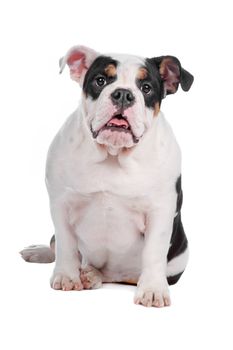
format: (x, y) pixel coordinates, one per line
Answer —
(113, 176)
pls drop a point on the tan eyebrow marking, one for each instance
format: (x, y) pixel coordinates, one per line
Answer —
(142, 73)
(110, 70)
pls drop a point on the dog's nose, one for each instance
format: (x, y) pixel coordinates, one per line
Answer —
(122, 98)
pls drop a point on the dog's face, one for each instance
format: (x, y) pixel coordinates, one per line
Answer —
(122, 94)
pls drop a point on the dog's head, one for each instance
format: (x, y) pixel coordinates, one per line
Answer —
(122, 94)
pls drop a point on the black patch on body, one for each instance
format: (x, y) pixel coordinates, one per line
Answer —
(52, 240)
(98, 68)
(174, 279)
(179, 194)
(179, 240)
(154, 80)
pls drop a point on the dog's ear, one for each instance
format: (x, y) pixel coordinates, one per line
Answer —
(79, 59)
(172, 74)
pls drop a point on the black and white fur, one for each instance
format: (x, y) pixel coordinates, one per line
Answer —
(113, 176)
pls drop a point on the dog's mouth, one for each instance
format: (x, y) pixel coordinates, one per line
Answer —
(118, 123)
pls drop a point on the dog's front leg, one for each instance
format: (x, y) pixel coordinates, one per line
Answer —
(152, 287)
(66, 274)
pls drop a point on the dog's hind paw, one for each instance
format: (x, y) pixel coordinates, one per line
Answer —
(38, 254)
(91, 278)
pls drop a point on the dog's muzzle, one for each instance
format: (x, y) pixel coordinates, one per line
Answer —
(118, 123)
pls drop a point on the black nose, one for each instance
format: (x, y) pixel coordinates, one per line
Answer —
(122, 98)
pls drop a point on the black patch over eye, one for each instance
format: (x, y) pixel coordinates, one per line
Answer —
(146, 88)
(151, 85)
(100, 80)
(96, 78)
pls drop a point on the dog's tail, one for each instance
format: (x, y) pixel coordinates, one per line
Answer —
(39, 253)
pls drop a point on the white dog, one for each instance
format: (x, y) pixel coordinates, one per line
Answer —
(114, 179)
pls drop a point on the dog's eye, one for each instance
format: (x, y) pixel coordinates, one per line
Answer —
(100, 81)
(146, 88)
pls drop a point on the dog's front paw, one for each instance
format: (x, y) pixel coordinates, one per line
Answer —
(66, 282)
(151, 293)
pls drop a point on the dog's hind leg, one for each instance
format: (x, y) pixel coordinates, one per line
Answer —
(40, 253)
(91, 278)
(176, 267)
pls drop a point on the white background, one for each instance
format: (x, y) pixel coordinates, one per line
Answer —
(35, 100)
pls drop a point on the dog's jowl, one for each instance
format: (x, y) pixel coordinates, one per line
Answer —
(113, 176)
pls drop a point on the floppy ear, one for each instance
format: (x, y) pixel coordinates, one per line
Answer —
(172, 74)
(79, 60)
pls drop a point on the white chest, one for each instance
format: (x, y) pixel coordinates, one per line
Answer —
(110, 231)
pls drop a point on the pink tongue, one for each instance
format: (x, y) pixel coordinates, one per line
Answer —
(118, 122)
